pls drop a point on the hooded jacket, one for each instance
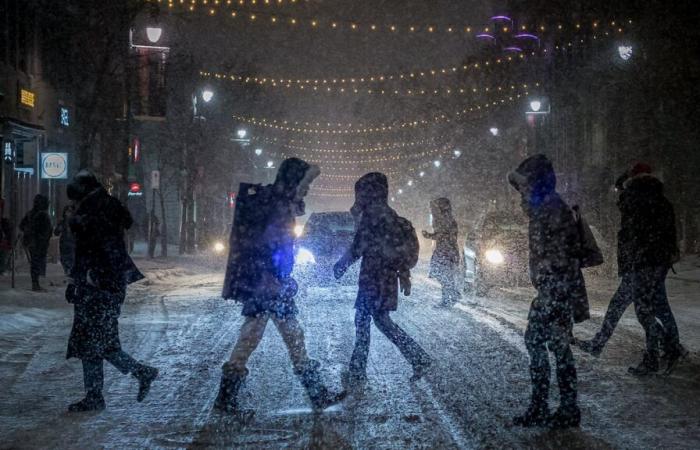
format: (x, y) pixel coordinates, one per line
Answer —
(554, 239)
(261, 255)
(647, 236)
(36, 226)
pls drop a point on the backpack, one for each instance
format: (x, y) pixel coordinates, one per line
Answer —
(401, 246)
(590, 255)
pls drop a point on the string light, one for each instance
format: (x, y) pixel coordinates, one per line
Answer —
(350, 128)
(374, 160)
(358, 149)
(212, 7)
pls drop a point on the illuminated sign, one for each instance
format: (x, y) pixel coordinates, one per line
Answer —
(135, 189)
(27, 98)
(54, 166)
(8, 151)
(63, 116)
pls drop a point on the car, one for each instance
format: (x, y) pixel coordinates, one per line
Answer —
(320, 243)
(496, 253)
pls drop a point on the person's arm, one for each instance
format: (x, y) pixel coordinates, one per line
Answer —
(357, 248)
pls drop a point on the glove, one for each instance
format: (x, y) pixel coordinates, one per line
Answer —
(339, 270)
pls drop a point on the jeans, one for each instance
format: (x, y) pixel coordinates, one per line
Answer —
(93, 370)
(409, 348)
(548, 329)
(37, 263)
(645, 288)
(252, 332)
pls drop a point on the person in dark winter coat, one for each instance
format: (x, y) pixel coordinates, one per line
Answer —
(555, 248)
(101, 273)
(445, 260)
(647, 248)
(36, 227)
(66, 243)
(379, 281)
(258, 274)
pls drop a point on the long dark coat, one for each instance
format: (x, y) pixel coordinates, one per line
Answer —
(445, 259)
(647, 236)
(555, 248)
(379, 286)
(102, 270)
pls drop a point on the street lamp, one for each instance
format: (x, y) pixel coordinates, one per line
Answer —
(535, 105)
(458, 153)
(421, 174)
(270, 164)
(625, 52)
(154, 34)
(493, 131)
(258, 151)
(410, 183)
(400, 191)
(437, 163)
(241, 133)
(207, 95)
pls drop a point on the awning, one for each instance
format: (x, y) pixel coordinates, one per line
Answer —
(20, 130)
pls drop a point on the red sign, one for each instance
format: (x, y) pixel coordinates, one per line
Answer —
(134, 187)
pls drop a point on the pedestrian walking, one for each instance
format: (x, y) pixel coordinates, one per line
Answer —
(36, 229)
(647, 249)
(258, 275)
(388, 247)
(101, 273)
(555, 248)
(66, 240)
(5, 243)
(445, 260)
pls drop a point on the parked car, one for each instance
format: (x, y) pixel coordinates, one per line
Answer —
(496, 253)
(320, 243)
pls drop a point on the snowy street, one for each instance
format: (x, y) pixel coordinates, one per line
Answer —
(176, 321)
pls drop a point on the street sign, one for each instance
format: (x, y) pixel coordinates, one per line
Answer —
(155, 179)
(54, 166)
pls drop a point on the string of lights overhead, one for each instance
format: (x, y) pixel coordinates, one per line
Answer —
(301, 127)
(351, 84)
(355, 162)
(373, 149)
(297, 22)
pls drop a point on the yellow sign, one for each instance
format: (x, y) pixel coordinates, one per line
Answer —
(26, 98)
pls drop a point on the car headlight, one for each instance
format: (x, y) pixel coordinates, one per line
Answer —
(298, 230)
(219, 247)
(305, 256)
(494, 257)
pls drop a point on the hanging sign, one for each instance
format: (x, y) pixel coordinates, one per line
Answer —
(54, 166)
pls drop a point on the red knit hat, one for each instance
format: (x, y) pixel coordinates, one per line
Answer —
(640, 168)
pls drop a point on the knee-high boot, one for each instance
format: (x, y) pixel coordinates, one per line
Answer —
(321, 398)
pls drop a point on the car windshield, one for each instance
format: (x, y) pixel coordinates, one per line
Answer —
(331, 223)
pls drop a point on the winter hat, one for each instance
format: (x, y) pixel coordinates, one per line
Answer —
(640, 168)
(371, 188)
(537, 173)
(81, 185)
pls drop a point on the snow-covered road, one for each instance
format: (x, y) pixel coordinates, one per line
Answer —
(176, 321)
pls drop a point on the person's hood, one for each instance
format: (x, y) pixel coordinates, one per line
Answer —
(41, 203)
(295, 174)
(534, 176)
(81, 185)
(644, 184)
(370, 189)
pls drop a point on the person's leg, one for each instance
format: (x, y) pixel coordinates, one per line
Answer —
(662, 309)
(358, 361)
(35, 269)
(234, 372)
(93, 379)
(306, 369)
(568, 414)
(125, 363)
(409, 348)
(618, 304)
(536, 344)
(644, 293)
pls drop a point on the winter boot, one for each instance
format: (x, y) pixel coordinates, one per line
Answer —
(91, 402)
(565, 417)
(536, 415)
(227, 399)
(321, 398)
(420, 369)
(36, 287)
(145, 375)
(674, 357)
(648, 366)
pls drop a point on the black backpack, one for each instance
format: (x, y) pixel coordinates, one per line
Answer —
(590, 256)
(401, 244)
